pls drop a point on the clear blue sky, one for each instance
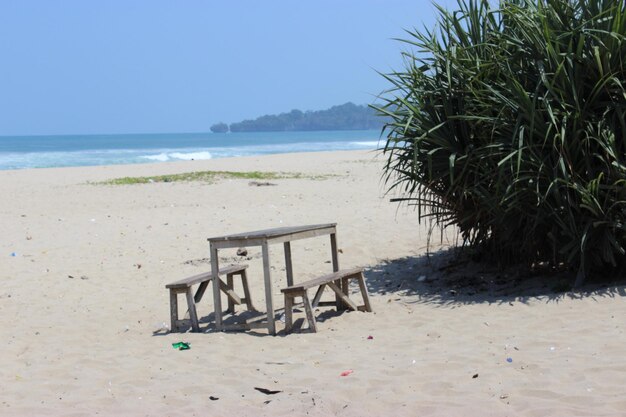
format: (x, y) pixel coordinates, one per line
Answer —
(143, 66)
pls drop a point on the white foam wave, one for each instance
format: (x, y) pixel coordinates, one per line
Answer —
(369, 144)
(180, 156)
(162, 157)
(191, 155)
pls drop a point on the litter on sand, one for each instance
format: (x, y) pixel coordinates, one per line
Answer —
(181, 345)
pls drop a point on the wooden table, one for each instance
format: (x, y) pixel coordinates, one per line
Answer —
(264, 238)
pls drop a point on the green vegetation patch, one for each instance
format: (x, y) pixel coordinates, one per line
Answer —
(210, 176)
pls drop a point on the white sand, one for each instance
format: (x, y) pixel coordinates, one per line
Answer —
(84, 344)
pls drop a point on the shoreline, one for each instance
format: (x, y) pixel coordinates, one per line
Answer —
(85, 292)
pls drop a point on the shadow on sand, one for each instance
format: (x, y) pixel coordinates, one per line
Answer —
(448, 277)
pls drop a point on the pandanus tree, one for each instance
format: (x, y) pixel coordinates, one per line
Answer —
(509, 121)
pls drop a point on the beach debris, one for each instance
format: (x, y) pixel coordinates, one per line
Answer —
(83, 277)
(340, 250)
(260, 184)
(509, 360)
(452, 292)
(267, 401)
(181, 345)
(212, 398)
(70, 276)
(421, 278)
(504, 396)
(14, 254)
(242, 252)
(29, 238)
(552, 348)
(414, 362)
(347, 372)
(161, 328)
(370, 337)
(267, 391)
(474, 376)
(138, 266)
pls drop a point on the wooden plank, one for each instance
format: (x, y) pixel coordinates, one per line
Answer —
(335, 260)
(232, 296)
(309, 312)
(189, 281)
(271, 233)
(333, 250)
(257, 317)
(201, 290)
(195, 279)
(318, 295)
(174, 310)
(288, 264)
(267, 276)
(327, 304)
(230, 286)
(323, 279)
(288, 312)
(192, 310)
(343, 297)
(246, 290)
(364, 293)
(301, 235)
(217, 296)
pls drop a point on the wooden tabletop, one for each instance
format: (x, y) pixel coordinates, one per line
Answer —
(271, 233)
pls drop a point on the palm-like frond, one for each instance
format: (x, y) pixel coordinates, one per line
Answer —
(510, 123)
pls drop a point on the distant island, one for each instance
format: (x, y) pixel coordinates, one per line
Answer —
(347, 116)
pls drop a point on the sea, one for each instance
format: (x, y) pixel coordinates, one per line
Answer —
(20, 152)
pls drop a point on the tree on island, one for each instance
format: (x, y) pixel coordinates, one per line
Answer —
(347, 116)
(219, 128)
(510, 123)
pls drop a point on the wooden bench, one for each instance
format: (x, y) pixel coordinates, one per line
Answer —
(338, 282)
(184, 287)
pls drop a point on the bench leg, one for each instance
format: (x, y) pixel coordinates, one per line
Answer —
(246, 290)
(192, 310)
(288, 313)
(230, 283)
(318, 295)
(364, 294)
(310, 317)
(201, 290)
(174, 310)
(342, 296)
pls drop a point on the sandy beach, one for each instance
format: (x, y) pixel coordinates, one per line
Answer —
(84, 266)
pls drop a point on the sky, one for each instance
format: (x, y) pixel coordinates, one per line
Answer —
(164, 66)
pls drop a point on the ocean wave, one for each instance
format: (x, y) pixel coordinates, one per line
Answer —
(369, 143)
(227, 147)
(180, 156)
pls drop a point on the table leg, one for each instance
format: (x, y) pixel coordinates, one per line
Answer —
(217, 296)
(288, 264)
(335, 258)
(271, 326)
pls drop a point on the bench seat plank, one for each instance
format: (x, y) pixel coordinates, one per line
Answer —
(195, 279)
(345, 273)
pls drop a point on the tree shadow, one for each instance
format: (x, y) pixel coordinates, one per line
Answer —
(450, 277)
